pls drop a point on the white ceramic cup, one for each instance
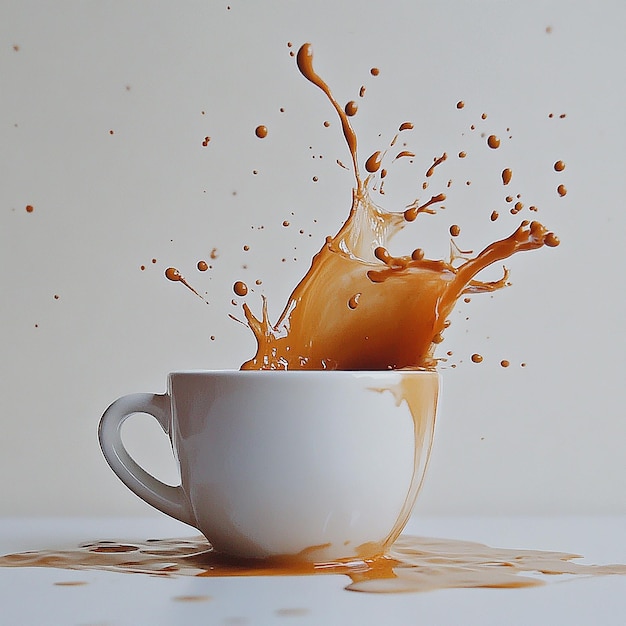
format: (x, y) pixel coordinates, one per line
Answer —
(316, 465)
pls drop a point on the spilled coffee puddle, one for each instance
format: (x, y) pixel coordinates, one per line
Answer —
(412, 564)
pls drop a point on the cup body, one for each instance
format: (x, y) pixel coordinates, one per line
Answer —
(314, 465)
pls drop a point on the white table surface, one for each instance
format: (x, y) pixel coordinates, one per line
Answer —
(29, 596)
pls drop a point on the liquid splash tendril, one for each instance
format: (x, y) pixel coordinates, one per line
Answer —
(358, 307)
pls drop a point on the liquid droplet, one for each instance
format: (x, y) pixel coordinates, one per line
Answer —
(171, 273)
(493, 142)
(240, 288)
(373, 162)
(351, 108)
(436, 162)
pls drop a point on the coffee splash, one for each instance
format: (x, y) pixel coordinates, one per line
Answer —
(412, 564)
(360, 308)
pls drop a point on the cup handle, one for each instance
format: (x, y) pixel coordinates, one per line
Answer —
(165, 498)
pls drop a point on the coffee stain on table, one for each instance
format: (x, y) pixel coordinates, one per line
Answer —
(412, 564)
(70, 583)
(192, 598)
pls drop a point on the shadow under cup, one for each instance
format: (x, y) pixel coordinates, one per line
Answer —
(314, 465)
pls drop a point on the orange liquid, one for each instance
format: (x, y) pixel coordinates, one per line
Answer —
(411, 564)
(358, 308)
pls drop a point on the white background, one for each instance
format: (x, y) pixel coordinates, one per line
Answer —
(547, 438)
